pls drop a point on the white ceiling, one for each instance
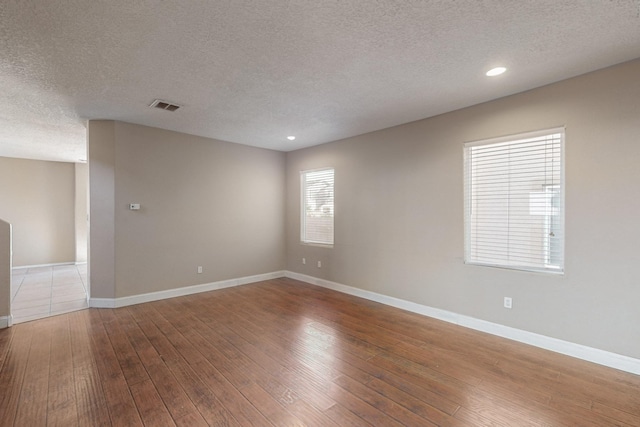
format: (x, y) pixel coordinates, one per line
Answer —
(256, 71)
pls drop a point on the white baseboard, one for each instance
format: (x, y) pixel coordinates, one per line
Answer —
(178, 292)
(601, 357)
(21, 267)
(6, 321)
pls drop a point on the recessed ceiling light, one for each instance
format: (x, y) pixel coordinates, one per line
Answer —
(496, 71)
(291, 138)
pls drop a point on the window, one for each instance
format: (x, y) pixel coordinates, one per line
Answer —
(514, 201)
(317, 206)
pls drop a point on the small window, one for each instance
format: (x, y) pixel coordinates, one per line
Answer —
(317, 206)
(514, 201)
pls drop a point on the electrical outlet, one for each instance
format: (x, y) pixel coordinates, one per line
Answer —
(319, 264)
(304, 260)
(199, 269)
(508, 302)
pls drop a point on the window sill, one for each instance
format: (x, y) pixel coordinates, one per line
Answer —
(320, 245)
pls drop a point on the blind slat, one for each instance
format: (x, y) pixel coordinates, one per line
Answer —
(317, 206)
(514, 207)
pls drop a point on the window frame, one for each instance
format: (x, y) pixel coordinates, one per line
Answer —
(546, 266)
(304, 238)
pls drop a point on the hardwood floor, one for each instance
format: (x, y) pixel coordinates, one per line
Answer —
(285, 353)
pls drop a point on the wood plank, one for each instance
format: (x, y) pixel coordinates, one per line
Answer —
(122, 408)
(191, 420)
(361, 408)
(91, 405)
(61, 405)
(32, 409)
(169, 388)
(616, 414)
(150, 406)
(278, 363)
(211, 409)
(382, 403)
(203, 357)
(281, 352)
(411, 403)
(6, 334)
(270, 407)
(271, 384)
(13, 371)
(218, 388)
(344, 417)
(132, 368)
(407, 383)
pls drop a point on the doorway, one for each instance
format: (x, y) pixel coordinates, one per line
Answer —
(38, 292)
(49, 212)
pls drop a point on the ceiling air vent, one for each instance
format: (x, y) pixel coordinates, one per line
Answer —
(164, 105)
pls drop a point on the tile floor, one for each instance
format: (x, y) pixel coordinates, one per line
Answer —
(39, 292)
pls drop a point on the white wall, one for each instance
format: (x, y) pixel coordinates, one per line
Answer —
(399, 213)
(81, 211)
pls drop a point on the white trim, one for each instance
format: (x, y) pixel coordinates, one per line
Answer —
(601, 357)
(6, 321)
(19, 267)
(303, 210)
(494, 163)
(516, 136)
(178, 292)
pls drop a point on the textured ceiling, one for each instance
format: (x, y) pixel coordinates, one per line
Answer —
(255, 71)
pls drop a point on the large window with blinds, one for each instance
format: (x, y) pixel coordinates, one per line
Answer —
(317, 206)
(514, 201)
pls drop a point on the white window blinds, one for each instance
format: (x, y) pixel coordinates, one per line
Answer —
(317, 206)
(514, 201)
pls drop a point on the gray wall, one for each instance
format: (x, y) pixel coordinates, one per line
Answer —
(399, 213)
(5, 268)
(37, 198)
(101, 142)
(203, 203)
